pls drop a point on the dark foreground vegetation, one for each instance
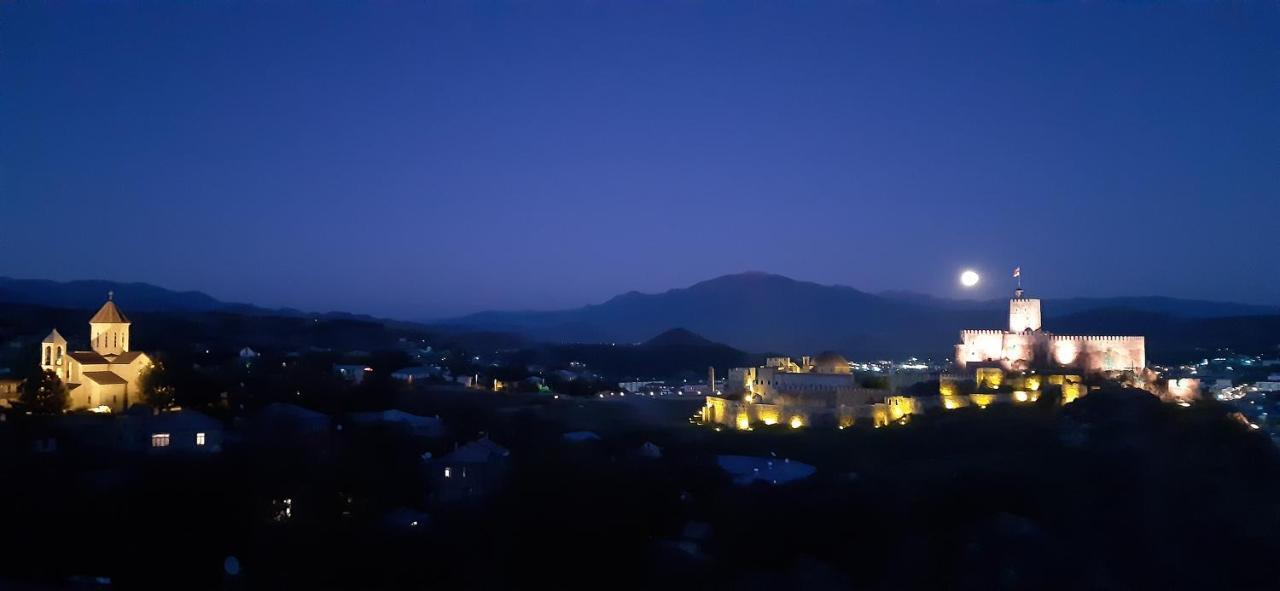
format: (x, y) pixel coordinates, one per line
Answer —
(1115, 491)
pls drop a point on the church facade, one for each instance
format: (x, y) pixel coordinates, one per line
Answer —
(107, 376)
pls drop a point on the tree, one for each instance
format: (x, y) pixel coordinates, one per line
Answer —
(154, 386)
(44, 394)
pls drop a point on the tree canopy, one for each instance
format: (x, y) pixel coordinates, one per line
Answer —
(44, 394)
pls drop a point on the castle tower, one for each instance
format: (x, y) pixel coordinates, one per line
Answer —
(109, 330)
(1024, 313)
(53, 350)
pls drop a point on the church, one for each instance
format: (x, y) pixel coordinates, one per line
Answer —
(105, 378)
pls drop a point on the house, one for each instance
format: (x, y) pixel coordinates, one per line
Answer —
(470, 472)
(468, 381)
(184, 432)
(565, 375)
(247, 354)
(291, 431)
(417, 426)
(746, 470)
(649, 451)
(409, 375)
(9, 391)
(353, 373)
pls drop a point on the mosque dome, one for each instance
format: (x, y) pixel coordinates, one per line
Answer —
(830, 362)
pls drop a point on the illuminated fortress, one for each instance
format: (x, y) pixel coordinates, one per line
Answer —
(994, 366)
(1026, 346)
(817, 391)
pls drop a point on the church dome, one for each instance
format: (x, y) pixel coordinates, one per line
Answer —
(830, 362)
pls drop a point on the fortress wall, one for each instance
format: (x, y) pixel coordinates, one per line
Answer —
(1099, 353)
(979, 345)
(1021, 349)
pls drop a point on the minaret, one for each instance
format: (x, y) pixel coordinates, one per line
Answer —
(109, 329)
(711, 380)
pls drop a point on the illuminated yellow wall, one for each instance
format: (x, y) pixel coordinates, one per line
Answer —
(954, 401)
(1070, 392)
(989, 378)
(768, 414)
(1060, 379)
(983, 400)
(1022, 396)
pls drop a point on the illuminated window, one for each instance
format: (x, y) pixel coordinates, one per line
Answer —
(199, 438)
(159, 440)
(447, 472)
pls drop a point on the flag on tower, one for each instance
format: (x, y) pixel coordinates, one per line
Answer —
(1017, 271)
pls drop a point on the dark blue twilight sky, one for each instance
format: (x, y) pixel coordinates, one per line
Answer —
(428, 159)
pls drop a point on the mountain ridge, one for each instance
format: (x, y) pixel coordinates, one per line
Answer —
(753, 311)
(757, 311)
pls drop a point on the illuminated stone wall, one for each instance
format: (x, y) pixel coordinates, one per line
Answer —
(1182, 390)
(1024, 314)
(989, 378)
(979, 345)
(832, 411)
(1086, 354)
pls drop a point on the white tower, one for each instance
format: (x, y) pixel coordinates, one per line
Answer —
(53, 350)
(1024, 313)
(109, 330)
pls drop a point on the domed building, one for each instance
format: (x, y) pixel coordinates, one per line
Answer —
(831, 362)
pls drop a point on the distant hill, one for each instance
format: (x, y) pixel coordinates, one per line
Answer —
(136, 297)
(679, 337)
(675, 353)
(765, 312)
(90, 294)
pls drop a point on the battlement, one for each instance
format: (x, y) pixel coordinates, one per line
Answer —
(1094, 338)
(982, 331)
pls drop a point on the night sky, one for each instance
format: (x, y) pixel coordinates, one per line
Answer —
(421, 160)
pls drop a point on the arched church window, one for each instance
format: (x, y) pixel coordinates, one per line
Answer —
(58, 353)
(46, 355)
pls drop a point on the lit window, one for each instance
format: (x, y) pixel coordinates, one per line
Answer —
(447, 472)
(159, 440)
(199, 438)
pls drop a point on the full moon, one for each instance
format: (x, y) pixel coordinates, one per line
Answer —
(969, 278)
